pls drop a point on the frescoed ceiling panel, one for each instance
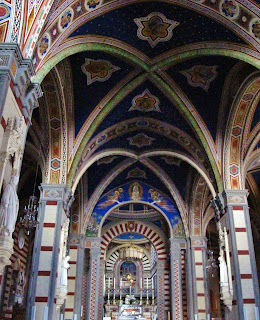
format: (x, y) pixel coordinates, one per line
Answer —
(188, 27)
(142, 140)
(100, 169)
(202, 80)
(128, 108)
(94, 74)
(178, 171)
(151, 179)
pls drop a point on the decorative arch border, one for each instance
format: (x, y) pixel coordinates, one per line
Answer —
(153, 125)
(235, 132)
(119, 96)
(199, 188)
(186, 158)
(152, 233)
(208, 11)
(119, 169)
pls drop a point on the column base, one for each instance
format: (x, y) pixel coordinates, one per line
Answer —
(6, 250)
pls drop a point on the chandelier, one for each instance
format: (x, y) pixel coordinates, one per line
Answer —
(211, 267)
(29, 220)
(131, 253)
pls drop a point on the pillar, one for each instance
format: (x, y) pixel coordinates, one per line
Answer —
(93, 278)
(200, 284)
(101, 292)
(244, 273)
(52, 216)
(176, 279)
(161, 290)
(75, 276)
(5, 79)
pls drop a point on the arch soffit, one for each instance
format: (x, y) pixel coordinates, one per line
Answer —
(190, 4)
(157, 171)
(234, 136)
(124, 127)
(130, 202)
(110, 252)
(148, 230)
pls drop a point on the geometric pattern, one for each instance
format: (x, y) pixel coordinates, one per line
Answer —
(155, 28)
(139, 228)
(140, 140)
(98, 70)
(145, 102)
(200, 76)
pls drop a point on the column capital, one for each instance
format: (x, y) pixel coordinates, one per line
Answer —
(20, 71)
(235, 197)
(53, 192)
(198, 242)
(78, 240)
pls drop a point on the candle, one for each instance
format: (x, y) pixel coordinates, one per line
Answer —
(147, 283)
(114, 283)
(108, 283)
(152, 284)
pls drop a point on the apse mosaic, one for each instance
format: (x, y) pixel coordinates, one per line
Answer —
(200, 76)
(140, 140)
(136, 173)
(98, 70)
(135, 191)
(145, 102)
(155, 28)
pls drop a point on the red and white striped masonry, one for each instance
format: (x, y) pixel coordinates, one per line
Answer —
(139, 228)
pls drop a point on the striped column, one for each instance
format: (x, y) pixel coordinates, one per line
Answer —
(75, 276)
(176, 279)
(93, 278)
(69, 303)
(44, 273)
(201, 303)
(161, 264)
(245, 281)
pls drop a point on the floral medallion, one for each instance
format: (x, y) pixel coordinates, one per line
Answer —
(44, 45)
(145, 102)
(92, 4)
(256, 28)
(155, 28)
(136, 173)
(230, 8)
(200, 76)
(98, 70)
(140, 140)
(65, 19)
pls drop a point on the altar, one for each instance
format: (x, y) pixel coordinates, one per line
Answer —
(130, 312)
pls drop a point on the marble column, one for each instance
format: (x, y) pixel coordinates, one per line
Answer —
(200, 284)
(76, 244)
(93, 284)
(54, 203)
(176, 280)
(234, 217)
(160, 290)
